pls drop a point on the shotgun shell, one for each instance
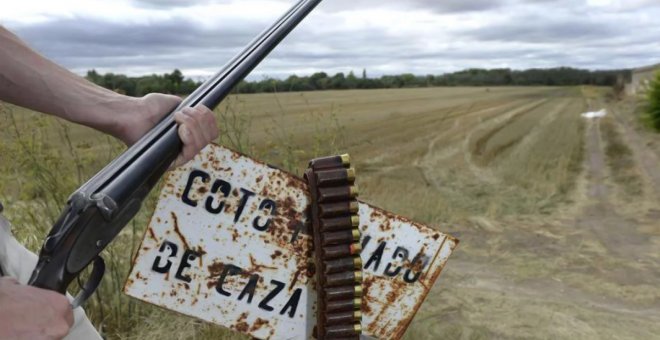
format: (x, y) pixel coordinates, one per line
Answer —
(358, 276)
(343, 293)
(356, 248)
(339, 223)
(342, 250)
(354, 207)
(334, 177)
(343, 264)
(343, 279)
(330, 162)
(329, 210)
(340, 237)
(342, 331)
(357, 262)
(343, 318)
(345, 160)
(334, 194)
(358, 290)
(343, 305)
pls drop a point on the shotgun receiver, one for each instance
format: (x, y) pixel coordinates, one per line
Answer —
(100, 208)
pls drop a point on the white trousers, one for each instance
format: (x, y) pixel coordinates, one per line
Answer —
(18, 262)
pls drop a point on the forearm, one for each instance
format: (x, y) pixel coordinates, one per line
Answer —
(27, 79)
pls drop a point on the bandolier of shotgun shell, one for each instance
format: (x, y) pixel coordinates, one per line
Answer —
(335, 225)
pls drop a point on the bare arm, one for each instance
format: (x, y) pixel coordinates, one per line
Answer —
(28, 79)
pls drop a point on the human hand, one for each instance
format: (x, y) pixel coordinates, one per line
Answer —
(31, 313)
(197, 126)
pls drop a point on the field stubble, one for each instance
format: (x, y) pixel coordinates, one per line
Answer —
(510, 171)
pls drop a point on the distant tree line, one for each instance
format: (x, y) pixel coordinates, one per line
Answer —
(173, 83)
(176, 83)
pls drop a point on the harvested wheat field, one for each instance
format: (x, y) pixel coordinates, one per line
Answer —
(557, 214)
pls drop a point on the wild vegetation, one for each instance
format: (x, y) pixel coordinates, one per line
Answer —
(653, 106)
(549, 249)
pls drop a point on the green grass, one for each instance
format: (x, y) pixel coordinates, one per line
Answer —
(621, 160)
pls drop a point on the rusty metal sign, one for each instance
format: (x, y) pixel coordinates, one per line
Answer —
(228, 244)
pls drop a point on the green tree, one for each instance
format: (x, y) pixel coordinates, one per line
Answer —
(338, 81)
(351, 81)
(174, 81)
(653, 96)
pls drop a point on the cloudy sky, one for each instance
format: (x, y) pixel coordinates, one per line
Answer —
(385, 37)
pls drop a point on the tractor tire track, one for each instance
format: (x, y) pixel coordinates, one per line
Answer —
(500, 123)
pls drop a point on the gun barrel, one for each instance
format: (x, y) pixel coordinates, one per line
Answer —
(159, 150)
(101, 207)
(210, 94)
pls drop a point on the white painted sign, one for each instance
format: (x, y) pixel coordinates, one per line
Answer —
(228, 244)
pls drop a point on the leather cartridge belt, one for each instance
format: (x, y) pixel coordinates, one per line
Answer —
(335, 226)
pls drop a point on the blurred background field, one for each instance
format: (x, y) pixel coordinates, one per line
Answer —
(556, 213)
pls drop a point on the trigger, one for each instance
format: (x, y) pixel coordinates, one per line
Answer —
(92, 283)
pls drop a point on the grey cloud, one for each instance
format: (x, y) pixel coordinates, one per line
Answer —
(167, 4)
(514, 35)
(543, 30)
(440, 6)
(73, 41)
(444, 6)
(454, 6)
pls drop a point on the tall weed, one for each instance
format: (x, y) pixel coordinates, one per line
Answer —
(653, 99)
(43, 160)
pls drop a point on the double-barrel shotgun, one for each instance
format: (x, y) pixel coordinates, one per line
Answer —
(96, 212)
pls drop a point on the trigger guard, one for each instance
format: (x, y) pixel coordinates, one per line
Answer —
(92, 283)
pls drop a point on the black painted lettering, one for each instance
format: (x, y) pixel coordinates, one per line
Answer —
(246, 196)
(163, 269)
(249, 288)
(225, 188)
(228, 270)
(365, 241)
(278, 288)
(272, 207)
(188, 256)
(292, 303)
(399, 252)
(376, 256)
(185, 197)
(423, 260)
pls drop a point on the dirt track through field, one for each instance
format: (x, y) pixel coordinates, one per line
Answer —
(599, 215)
(599, 273)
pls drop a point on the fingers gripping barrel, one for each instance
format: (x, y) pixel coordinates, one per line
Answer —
(335, 226)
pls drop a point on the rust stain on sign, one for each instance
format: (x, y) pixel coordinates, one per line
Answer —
(228, 243)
